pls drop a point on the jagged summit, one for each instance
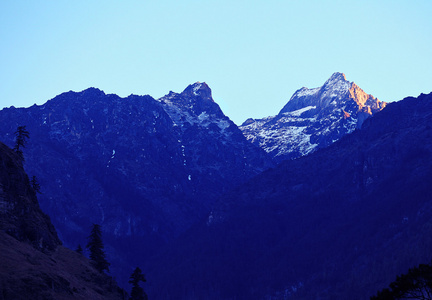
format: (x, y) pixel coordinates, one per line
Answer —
(336, 77)
(200, 89)
(313, 118)
(92, 90)
(194, 104)
(78, 100)
(337, 81)
(335, 91)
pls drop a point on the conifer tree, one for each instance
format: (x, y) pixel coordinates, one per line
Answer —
(137, 292)
(79, 249)
(21, 136)
(96, 249)
(416, 284)
(35, 184)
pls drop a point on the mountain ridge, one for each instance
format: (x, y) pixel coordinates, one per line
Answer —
(313, 118)
(340, 223)
(144, 169)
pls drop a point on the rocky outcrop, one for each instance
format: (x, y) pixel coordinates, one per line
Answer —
(20, 214)
(313, 118)
(33, 264)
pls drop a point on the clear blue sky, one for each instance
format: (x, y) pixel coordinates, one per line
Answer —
(253, 54)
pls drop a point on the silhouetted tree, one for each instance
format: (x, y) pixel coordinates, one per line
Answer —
(21, 136)
(79, 249)
(96, 248)
(137, 292)
(35, 184)
(416, 284)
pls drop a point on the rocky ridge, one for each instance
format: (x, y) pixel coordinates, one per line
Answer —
(313, 118)
(144, 169)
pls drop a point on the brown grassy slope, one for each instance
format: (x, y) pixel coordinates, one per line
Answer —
(26, 273)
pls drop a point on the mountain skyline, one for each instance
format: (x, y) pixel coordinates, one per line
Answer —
(339, 223)
(217, 145)
(254, 56)
(174, 174)
(313, 118)
(145, 169)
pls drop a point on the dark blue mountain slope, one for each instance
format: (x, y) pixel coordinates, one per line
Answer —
(144, 169)
(340, 223)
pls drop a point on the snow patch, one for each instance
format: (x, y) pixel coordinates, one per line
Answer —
(223, 124)
(290, 134)
(183, 153)
(196, 88)
(336, 87)
(306, 92)
(203, 116)
(298, 112)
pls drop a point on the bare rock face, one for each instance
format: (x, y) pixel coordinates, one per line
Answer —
(313, 118)
(20, 214)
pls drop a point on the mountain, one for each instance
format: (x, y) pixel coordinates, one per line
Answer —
(339, 223)
(21, 216)
(144, 169)
(312, 119)
(33, 264)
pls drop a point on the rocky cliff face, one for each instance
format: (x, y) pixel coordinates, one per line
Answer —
(144, 169)
(20, 214)
(33, 264)
(313, 118)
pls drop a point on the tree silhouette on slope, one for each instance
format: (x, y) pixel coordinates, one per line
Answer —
(137, 292)
(416, 284)
(96, 248)
(35, 184)
(21, 136)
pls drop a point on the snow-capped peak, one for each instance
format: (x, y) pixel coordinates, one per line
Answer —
(336, 76)
(196, 86)
(305, 92)
(200, 89)
(335, 87)
(313, 118)
(195, 106)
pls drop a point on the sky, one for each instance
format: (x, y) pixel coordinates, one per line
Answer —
(253, 54)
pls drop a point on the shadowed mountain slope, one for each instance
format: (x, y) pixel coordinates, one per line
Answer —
(144, 169)
(340, 223)
(33, 264)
